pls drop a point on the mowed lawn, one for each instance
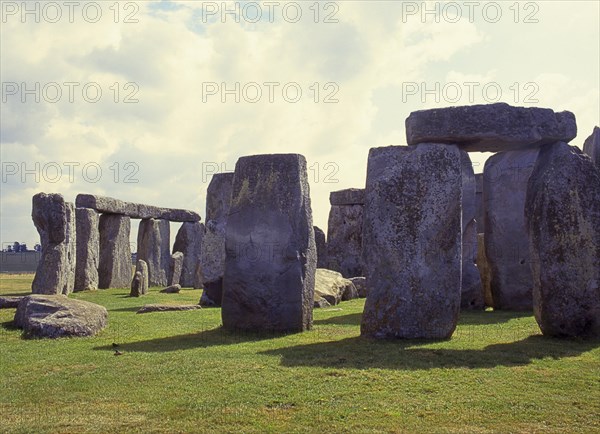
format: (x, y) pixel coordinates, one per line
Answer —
(180, 372)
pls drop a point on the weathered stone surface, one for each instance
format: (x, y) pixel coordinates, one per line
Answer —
(109, 205)
(172, 289)
(591, 146)
(88, 249)
(471, 288)
(320, 303)
(361, 286)
(484, 271)
(212, 294)
(54, 220)
(199, 276)
(10, 302)
(218, 203)
(321, 244)
(175, 268)
(563, 218)
(218, 196)
(332, 286)
(153, 243)
(271, 254)
(505, 179)
(349, 196)
(114, 267)
(344, 239)
(479, 201)
(189, 242)
(139, 284)
(490, 127)
(412, 242)
(55, 316)
(168, 308)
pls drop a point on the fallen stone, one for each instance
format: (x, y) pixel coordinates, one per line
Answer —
(490, 127)
(361, 286)
(344, 240)
(109, 205)
(332, 286)
(320, 303)
(471, 288)
(10, 302)
(168, 308)
(88, 249)
(189, 242)
(55, 316)
(54, 220)
(172, 289)
(412, 242)
(114, 266)
(591, 146)
(175, 268)
(153, 244)
(563, 220)
(321, 244)
(349, 196)
(271, 255)
(505, 179)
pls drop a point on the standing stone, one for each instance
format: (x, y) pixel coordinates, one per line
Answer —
(88, 249)
(506, 244)
(271, 254)
(484, 271)
(479, 201)
(175, 268)
(198, 276)
(321, 244)
(344, 232)
(189, 242)
(591, 146)
(472, 290)
(412, 242)
(563, 219)
(54, 220)
(139, 284)
(153, 243)
(218, 203)
(114, 267)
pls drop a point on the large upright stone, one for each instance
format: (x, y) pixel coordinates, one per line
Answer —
(321, 244)
(139, 284)
(114, 267)
(189, 242)
(591, 146)
(110, 205)
(153, 244)
(218, 203)
(505, 179)
(563, 217)
(88, 249)
(490, 127)
(344, 232)
(472, 290)
(479, 202)
(412, 242)
(484, 271)
(271, 255)
(54, 220)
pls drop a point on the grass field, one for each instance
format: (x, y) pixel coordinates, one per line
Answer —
(180, 372)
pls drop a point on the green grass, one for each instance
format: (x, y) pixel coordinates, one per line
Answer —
(180, 372)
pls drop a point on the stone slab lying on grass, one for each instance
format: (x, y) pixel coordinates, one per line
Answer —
(10, 302)
(173, 289)
(334, 288)
(55, 316)
(168, 308)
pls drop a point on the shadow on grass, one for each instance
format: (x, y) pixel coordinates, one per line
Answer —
(350, 319)
(126, 309)
(486, 318)
(8, 325)
(209, 338)
(361, 353)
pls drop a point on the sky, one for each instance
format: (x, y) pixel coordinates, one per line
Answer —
(144, 101)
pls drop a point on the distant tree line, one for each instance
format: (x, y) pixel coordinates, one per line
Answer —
(17, 247)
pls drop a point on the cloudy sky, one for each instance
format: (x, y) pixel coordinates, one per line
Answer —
(143, 101)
